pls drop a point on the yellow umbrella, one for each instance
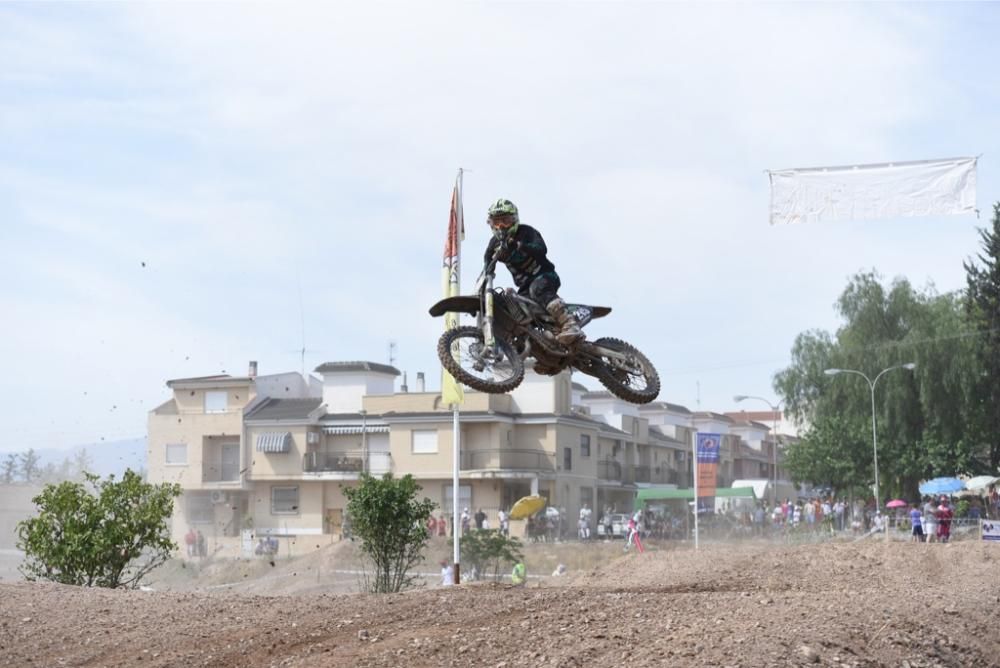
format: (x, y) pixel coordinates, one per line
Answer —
(526, 507)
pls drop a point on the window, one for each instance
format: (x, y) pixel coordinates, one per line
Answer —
(464, 498)
(199, 508)
(177, 453)
(584, 445)
(568, 459)
(679, 455)
(425, 441)
(285, 500)
(215, 401)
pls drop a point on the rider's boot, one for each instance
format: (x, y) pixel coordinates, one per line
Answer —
(569, 328)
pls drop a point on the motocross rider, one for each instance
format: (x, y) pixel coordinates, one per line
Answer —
(523, 250)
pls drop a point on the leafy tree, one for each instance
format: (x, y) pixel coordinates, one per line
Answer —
(392, 526)
(81, 464)
(835, 452)
(921, 415)
(8, 469)
(983, 308)
(111, 536)
(29, 465)
(488, 549)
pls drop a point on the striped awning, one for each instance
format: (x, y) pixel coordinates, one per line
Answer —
(357, 429)
(274, 441)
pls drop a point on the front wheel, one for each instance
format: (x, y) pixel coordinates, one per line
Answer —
(466, 357)
(633, 378)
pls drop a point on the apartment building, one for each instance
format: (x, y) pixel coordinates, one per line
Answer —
(273, 454)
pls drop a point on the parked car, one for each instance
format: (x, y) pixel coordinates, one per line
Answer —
(619, 526)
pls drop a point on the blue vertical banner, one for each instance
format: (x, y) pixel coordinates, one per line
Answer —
(708, 465)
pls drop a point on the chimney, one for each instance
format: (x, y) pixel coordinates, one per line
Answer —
(420, 381)
(253, 369)
(403, 387)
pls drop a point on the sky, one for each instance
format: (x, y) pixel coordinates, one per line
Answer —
(185, 187)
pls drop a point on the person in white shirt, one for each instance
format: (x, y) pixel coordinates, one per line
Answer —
(502, 520)
(447, 574)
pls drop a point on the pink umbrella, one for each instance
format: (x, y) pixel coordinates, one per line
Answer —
(896, 503)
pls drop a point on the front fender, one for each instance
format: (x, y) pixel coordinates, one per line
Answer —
(461, 304)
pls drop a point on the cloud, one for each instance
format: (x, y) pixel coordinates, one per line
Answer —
(243, 151)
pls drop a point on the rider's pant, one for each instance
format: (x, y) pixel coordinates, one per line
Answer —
(543, 289)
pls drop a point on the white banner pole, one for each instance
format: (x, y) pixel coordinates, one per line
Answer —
(694, 471)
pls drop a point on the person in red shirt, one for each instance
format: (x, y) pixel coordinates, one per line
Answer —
(944, 516)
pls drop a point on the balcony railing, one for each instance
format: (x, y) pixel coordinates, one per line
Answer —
(608, 469)
(508, 458)
(346, 462)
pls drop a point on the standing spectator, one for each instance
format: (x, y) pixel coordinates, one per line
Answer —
(585, 515)
(917, 530)
(838, 513)
(190, 539)
(432, 525)
(504, 522)
(442, 525)
(480, 517)
(202, 551)
(609, 527)
(930, 521)
(944, 516)
(466, 521)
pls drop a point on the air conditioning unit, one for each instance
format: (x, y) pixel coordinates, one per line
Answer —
(219, 497)
(312, 437)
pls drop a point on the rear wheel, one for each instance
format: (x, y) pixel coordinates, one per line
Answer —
(465, 356)
(633, 378)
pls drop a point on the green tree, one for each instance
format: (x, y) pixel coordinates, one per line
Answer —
(834, 452)
(8, 469)
(921, 415)
(392, 525)
(983, 308)
(488, 549)
(29, 465)
(110, 536)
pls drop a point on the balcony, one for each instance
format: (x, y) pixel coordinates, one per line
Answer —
(643, 474)
(608, 469)
(508, 459)
(346, 462)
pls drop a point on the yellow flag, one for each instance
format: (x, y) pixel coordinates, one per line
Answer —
(451, 390)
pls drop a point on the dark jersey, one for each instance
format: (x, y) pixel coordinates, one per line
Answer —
(529, 262)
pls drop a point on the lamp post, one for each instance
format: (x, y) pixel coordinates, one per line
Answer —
(871, 385)
(774, 446)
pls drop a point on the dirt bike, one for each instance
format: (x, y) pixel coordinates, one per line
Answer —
(511, 327)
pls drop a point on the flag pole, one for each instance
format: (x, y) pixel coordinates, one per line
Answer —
(456, 433)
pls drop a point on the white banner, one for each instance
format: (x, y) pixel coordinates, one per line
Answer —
(991, 529)
(866, 192)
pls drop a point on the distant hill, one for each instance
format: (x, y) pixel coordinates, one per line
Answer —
(106, 457)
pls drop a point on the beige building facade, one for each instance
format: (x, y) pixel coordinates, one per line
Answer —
(255, 464)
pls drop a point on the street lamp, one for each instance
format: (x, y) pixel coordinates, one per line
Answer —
(774, 433)
(871, 385)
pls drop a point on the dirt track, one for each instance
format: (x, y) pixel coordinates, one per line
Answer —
(851, 604)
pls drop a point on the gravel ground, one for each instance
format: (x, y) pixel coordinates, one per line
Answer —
(863, 603)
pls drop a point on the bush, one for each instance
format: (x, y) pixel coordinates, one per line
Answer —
(487, 549)
(392, 526)
(111, 537)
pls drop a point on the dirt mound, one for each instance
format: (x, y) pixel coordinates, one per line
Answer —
(838, 604)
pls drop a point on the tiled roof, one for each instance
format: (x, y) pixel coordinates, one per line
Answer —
(284, 409)
(208, 380)
(357, 366)
(709, 415)
(664, 405)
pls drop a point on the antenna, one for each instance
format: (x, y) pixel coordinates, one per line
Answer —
(302, 350)
(392, 353)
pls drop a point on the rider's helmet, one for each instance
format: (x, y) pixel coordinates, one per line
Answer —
(502, 218)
